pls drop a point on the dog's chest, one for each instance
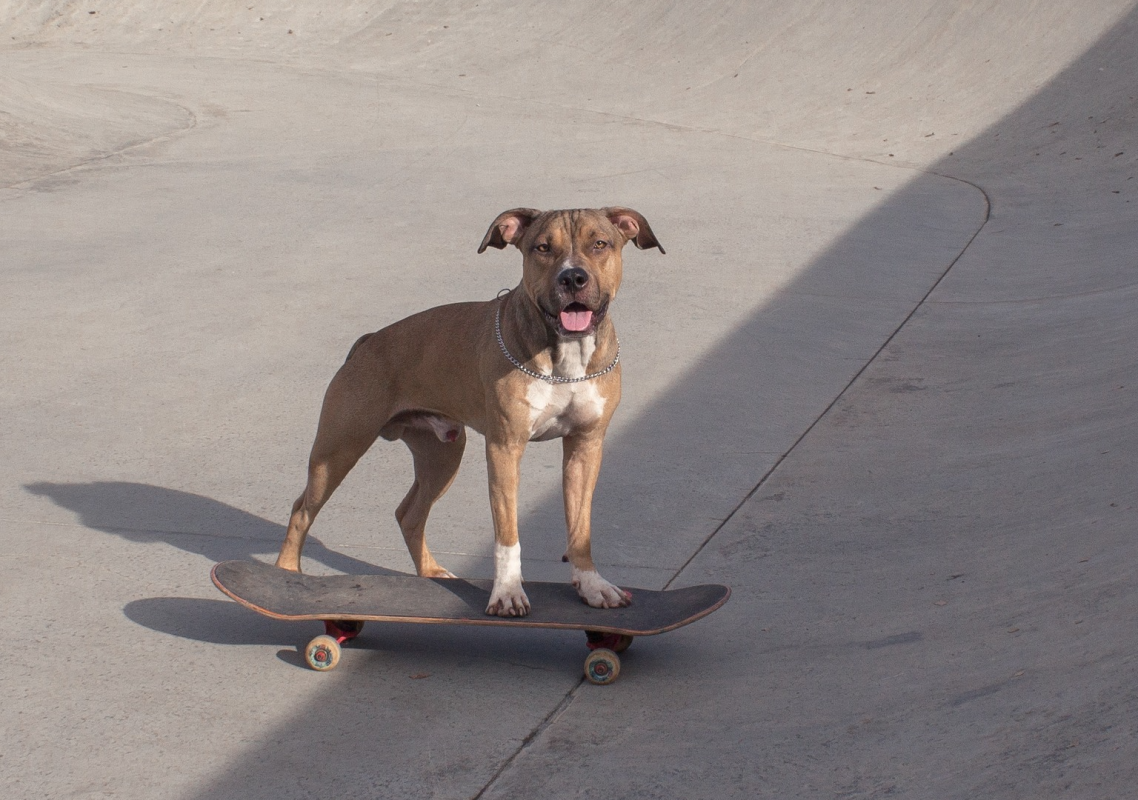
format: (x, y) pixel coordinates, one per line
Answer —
(557, 409)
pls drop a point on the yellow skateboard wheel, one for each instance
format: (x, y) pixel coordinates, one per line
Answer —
(602, 666)
(322, 653)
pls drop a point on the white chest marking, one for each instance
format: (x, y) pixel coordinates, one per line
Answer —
(558, 408)
(571, 358)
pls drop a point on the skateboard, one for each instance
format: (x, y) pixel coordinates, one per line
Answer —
(345, 602)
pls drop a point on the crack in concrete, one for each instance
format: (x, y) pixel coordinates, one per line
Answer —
(549, 720)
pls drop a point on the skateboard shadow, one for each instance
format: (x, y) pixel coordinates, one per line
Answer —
(212, 621)
(139, 512)
(226, 623)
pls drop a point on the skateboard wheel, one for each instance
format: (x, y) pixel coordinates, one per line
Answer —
(322, 653)
(622, 643)
(602, 666)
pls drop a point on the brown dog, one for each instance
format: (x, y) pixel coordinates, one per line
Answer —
(538, 363)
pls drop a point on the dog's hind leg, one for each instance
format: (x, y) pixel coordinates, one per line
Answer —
(437, 455)
(349, 424)
(325, 473)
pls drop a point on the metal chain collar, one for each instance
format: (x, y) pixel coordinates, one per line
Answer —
(540, 376)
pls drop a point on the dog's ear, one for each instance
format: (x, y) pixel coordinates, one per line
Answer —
(508, 228)
(634, 227)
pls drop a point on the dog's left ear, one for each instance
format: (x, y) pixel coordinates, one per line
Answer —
(508, 228)
(634, 227)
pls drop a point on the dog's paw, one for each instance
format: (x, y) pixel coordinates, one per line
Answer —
(291, 564)
(598, 592)
(508, 600)
(437, 572)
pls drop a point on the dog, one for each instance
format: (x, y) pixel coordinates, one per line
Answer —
(540, 362)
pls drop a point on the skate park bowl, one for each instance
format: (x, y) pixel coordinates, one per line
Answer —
(883, 385)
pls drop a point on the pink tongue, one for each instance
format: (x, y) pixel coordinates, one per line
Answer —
(576, 320)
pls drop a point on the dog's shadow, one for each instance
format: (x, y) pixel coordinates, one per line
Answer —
(139, 512)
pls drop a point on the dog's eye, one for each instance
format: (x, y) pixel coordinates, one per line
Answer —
(542, 248)
(600, 244)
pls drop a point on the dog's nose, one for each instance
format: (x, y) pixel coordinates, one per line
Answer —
(573, 278)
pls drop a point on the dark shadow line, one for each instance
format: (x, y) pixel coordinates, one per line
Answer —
(124, 509)
(917, 307)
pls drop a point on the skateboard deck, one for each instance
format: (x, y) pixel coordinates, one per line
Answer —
(346, 601)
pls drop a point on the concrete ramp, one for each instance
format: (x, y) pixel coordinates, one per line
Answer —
(883, 385)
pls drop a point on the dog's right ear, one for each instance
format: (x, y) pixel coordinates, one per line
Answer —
(508, 228)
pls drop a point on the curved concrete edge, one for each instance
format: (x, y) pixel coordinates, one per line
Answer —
(48, 128)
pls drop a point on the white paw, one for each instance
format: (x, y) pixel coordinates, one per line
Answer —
(508, 599)
(598, 592)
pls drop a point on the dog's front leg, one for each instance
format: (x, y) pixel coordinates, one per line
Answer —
(581, 462)
(503, 463)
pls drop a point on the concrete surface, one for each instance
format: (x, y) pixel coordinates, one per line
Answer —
(883, 385)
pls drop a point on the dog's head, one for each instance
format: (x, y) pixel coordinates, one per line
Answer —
(571, 260)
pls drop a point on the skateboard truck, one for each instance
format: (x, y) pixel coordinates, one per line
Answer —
(343, 630)
(617, 642)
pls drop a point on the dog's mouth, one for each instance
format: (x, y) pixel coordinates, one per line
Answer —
(576, 320)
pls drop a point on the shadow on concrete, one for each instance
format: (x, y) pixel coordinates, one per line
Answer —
(227, 623)
(210, 621)
(138, 512)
